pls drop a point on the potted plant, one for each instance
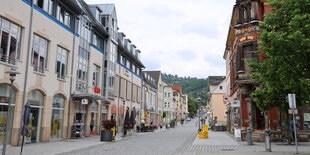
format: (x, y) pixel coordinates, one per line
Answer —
(172, 123)
(107, 133)
(182, 121)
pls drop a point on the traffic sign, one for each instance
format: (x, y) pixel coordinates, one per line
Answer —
(292, 101)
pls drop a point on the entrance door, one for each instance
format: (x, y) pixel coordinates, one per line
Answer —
(34, 125)
(260, 119)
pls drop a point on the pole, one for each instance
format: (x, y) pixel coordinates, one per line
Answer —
(295, 134)
(124, 118)
(8, 118)
(199, 118)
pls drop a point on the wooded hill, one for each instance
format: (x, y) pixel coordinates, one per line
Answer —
(191, 86)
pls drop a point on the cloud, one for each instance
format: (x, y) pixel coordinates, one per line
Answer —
(177, 36)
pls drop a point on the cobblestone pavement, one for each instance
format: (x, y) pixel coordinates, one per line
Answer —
(178, 141)
(165, 142)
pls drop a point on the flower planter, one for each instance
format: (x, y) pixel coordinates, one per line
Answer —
(106, 136)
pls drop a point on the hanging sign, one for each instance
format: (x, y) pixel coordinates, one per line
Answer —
(235, 103)
(84, 101)
(97, 90)
(225, 98)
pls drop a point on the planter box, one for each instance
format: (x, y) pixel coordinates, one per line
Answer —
(106, 136)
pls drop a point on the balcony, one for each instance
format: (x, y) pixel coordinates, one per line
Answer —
(7, 59)
(243, 78)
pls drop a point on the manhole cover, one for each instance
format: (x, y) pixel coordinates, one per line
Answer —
(227, 150)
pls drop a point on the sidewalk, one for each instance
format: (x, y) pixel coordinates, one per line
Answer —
(63, 146)
(224, 143)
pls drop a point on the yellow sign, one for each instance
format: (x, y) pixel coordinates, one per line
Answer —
(246, 29)
(246, 38)
(147, 89)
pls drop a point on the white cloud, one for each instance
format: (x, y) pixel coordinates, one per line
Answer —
(184, 37)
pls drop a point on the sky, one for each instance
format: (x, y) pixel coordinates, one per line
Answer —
(183, 37)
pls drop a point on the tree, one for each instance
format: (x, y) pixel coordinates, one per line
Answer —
(192, 107)
(285, 45)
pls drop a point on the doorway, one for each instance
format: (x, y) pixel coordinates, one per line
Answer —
(260, 118)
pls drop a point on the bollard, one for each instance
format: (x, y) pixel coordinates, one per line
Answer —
(249, 131)
(267, 141)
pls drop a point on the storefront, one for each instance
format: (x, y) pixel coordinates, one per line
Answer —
(79, 120)
(4, 107)
(57, 117)
(36, 100)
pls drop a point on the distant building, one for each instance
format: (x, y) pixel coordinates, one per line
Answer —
(217, 91)
(168, 103)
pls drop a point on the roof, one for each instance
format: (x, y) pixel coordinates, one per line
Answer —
(155, 75)
(106, 8)
(215, 80)
(178, 89)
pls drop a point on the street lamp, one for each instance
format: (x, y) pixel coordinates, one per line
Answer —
(124, 101)
(199, 100)
(12, 74)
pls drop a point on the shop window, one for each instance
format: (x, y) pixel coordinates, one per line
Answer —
(61, 62)
(93, 118)
(57, 117)
(9, 41)
(36, 99)
(39, 54)
(4, 108)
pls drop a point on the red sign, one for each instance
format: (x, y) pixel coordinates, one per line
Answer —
(121, 110)
(97, 90)
(113, 109)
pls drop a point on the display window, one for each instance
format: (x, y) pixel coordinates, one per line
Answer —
(57, 117)
(4, 107)
(93, 118)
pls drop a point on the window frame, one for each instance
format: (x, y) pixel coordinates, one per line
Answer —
(62, 53)
(251, 53)
(96, 75)
(36, 67)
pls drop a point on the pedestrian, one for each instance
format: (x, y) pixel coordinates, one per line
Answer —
(292, 130)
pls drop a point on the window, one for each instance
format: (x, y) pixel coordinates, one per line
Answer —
(9, 41)
(82, 71)
(39, 54)
(248, 54)
(221, 87)
(61, 62)
(128, 64)
(133, 68)
(165, 94)
(244, 15)
(168, 94)
(168, 104)
(138, 71)
(123, 60)
(96, 73)
(165, 104)
(63, 16)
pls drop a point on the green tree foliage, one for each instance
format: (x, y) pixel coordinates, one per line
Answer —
(192, 105)
(285, 44)
(193, 87)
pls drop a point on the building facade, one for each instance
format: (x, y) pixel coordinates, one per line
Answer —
(149, 99)
(60, 48)
(217, 92)
(168, 103)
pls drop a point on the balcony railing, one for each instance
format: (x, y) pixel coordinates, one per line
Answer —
(7, 59)
(85, 89)
(38, 69)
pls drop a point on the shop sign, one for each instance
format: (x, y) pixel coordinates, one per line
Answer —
(113, 109)
(84, 101)
(247, 29)
(307, 117)
(235, 103)
(121, 110)
(97, 90)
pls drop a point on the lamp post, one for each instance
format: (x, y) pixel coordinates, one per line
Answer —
(199, 100)
(12, 74)
(124, 101)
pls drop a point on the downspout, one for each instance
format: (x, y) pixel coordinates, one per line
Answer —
(119, 96)
(26, 67)
(71, 80)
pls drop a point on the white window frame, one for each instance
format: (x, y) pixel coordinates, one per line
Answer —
(41, 45)
(62, 57)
